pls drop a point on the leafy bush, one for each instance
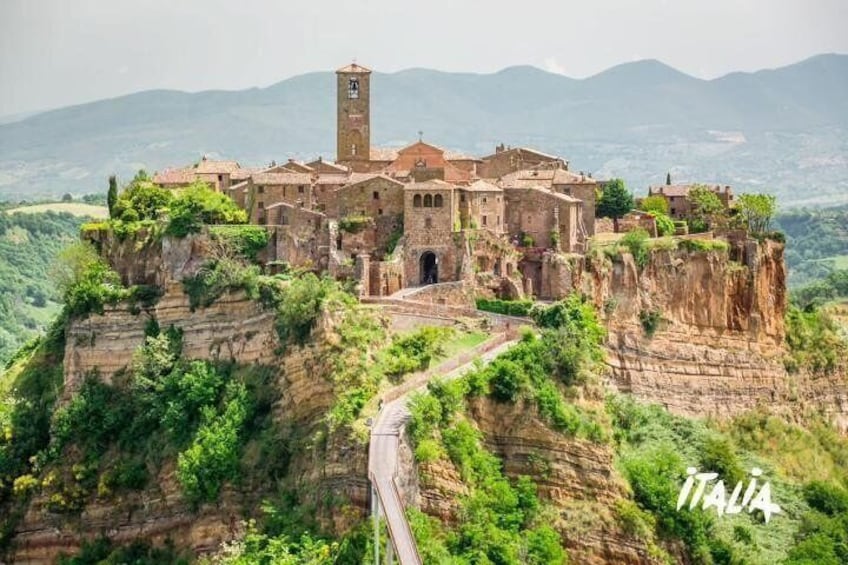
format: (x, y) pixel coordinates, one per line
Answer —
(506, 307)
(247, 241)
(224, 274)
(86, 281)
(142, 200)
(298, 304)
(355, 224)
(636, 242)
(814, 341)
(214, 454)
(197, 205)
(650, 320)
(413, 352)
(665, 225)
(702, 245)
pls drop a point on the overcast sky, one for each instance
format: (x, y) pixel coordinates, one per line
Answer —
(59, 52)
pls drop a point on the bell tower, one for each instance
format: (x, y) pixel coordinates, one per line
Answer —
(353, 118)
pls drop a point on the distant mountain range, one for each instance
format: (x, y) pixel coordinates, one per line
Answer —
(784, 131)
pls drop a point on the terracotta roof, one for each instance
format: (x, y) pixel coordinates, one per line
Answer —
(556, 195)
(523, 150)
(174, 176)
(383, 154)
(434, 184)
(458, 156)
(561, 176)
(281, 178)
(331, 178)
(216, 167)
(482, 186)
(242, 174)
(323, 166)
(353, 68)
(365, 177)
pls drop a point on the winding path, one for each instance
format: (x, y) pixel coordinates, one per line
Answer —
(383, 453)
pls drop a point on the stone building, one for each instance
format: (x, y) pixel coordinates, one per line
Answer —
(677, 196)
(416, 215)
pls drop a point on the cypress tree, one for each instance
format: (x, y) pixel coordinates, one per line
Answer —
(112, 195)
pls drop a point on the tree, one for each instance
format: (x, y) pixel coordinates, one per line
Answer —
(67, 197)
(758, 210)
(668, 178)
(655, 204)
(112, 195)
(615, 202)
(706, 207)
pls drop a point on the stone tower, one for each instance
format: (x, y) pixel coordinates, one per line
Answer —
(353, 104)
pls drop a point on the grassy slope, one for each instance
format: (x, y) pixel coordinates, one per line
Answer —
(73, 208)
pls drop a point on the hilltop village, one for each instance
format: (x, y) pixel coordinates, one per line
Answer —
(418, 215)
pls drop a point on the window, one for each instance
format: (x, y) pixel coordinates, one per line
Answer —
(353, 88)
(379, 211)
(437, 201)
(284, 219)
(499, 220)
(376, 195)
(353, 149)
(462, 197)
(416, 201)
(300, 189)
(485, 220)
(428, 223)
(220, 178)
(428, 200)
(484, 200)
(261, 204)
(261, 190)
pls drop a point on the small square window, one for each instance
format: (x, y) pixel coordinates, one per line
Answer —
(380, 212)
(261, 204)
(376, 195)
(261, 190)
(300, 189)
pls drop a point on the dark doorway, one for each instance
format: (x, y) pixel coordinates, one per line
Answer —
(428, 268)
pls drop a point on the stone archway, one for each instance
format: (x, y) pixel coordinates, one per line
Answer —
(428, 268)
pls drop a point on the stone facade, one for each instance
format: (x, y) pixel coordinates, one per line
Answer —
(550, 219)
(353, 97)
(677, 196)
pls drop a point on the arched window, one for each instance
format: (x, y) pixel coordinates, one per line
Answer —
(428, 223)
(437, 201)
(416, 201)
(428, 200)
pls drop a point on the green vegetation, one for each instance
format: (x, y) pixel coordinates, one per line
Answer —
(247, 241)
(654, 204)
(665, 225)
(814, 341)
(694, 245)
(816, 242)
(29, 299)
(413, 352)
(102, 551)
(86, 281)
(636, 242)
(507, 307)
(706, 208)
(615, 202)
(355, 224)
(198, 205)
(218, 276)
(815, 294)
(650, 320)
(757, 210)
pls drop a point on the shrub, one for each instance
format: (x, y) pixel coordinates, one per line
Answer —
(354, 224)
(703, 245)
(636, 242)
(655, 204)
(197, 205)
(247, 241)
(506, 307)
(142, 200)
(224, 274)
(665, 225)
(527, 240)
(298, 304)
(87, 283)
(413, 352)
(650, 320)
(814, 341)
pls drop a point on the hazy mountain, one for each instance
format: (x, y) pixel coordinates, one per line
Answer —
(784, 130)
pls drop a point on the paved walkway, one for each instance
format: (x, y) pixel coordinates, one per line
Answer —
(383, 462)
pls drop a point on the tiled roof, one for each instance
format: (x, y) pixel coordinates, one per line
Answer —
(207, 166)
(458, 156)
(324, 166)
(538, 188)
(482, 186)
(383, 154)
(561, 176)
(353, 68)
(281, 178)
(359, 178)
(242, 174)
(239, 185)
(331, 178)
(523, 150)
(434, 184)
(174, 176)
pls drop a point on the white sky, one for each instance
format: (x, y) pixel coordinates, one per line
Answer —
(59, 52)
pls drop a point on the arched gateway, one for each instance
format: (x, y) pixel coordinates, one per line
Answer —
(428, 268)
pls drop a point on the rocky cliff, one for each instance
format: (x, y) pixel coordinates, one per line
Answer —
(702, 332)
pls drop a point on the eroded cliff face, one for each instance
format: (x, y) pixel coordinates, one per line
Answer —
(718, 348)
(329, 471)
(576, 476)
